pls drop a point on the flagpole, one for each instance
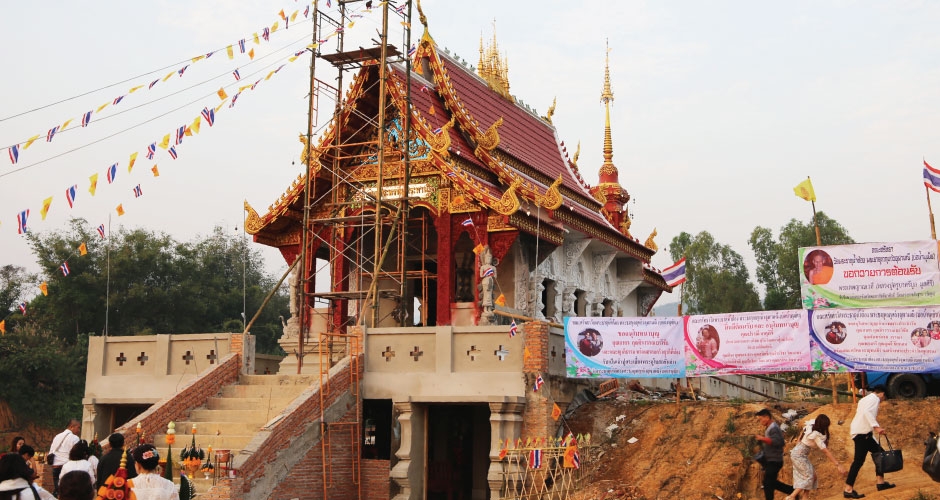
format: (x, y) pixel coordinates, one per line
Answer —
(107, 293)
(933, 228)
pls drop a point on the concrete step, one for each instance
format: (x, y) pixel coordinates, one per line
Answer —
(224, 442)
(303, 380)
(247, 416)
(232, 403)
(262, 391)
(215, 428)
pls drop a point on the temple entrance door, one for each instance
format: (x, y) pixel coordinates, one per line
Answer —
(458, 452)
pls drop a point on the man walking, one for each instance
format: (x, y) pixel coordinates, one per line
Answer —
(864, 426)
(61, 445)
(111, 460)
(772, 461)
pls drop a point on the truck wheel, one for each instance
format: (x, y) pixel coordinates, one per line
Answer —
(907, 386)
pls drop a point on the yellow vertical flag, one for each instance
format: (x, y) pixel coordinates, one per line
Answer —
(130, 164)
(44, 288)
(66, 124)
(256, 38)
(501, 300)
(198, 58)
(165, 143)
(83, 249)
(251, 54)
(194, 128)
(478, 249)
(45, 207)
(556, 411)
(222, 94)
(526, 355)
(30, 141)
(274, 27)
(135, 89)
(219, 107)
(294, 15)
(187, 131)
(120, 209)
(3, 327)
(156, 172)
(168, 75)
(105, 105)
(571, 458)
(230, 52)
(94, 184)
(431, 110)
(805, 190)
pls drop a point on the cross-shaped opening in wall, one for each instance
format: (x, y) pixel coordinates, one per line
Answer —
(142, 358)
(121, 359)
(388, 353)
(553, 352)
(212, 356)
(473, 353)
(188, 357)
(501, 353)
(416, 353)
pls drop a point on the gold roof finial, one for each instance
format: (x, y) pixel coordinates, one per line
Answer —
(493, 68)
(607, 96)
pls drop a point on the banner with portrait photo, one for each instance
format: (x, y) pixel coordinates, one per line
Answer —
(880, 339)
(742, 343)
(624, 347)
(870, 275)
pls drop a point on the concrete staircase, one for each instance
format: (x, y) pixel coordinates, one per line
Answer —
(230, 420)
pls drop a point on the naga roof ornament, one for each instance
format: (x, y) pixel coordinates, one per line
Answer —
(509, 203)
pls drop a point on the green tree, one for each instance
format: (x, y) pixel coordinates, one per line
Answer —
(13, 280)
(778, 266)
(717, 280)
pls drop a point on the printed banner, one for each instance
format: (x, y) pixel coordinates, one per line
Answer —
(624, 347)
(742, 343)
(880, 339)
(870, 275)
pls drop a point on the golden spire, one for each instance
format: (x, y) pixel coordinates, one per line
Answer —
(607, 96)
(494, 69)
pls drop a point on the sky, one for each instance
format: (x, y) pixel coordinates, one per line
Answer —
(720, 108)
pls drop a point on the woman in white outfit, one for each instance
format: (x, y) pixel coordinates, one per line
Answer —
(814, 435)
(78, 460)
(148, 485)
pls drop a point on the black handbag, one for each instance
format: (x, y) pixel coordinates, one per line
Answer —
(932, 458)
(889, 460)
(50, 458)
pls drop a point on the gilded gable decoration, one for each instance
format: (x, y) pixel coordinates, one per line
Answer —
(551, 111)
(490, 139)
(253, 222)
(440, 142)
(577, 153)
(650, 243)
(509, 203)
(552, 199)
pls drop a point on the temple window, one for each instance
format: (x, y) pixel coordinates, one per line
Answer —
(548, 298)
(580, 303)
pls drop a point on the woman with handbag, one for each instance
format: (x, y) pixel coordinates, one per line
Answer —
(814, 435)
(864, 426)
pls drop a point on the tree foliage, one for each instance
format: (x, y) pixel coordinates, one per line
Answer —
(778, 266)
(137, 282)
(717, 280)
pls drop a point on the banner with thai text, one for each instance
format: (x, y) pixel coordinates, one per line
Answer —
(741, 343)
(880, 339)
(870, 275)
(624, 347)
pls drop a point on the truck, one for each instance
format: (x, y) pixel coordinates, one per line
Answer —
(904, 385)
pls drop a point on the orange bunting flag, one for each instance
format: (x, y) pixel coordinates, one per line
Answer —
(3, 327)
(44, 288)
(431, 110)
(504, 450)
(526, 355)
(222, 94)
(66, 124)
(120, 209)
(572, 460)
(283, 16)
(165, 143)
(45, 207)
(194, 128)
(156, 173)
(130, 164)
(83, 249)
(30, 141)
(94, 184)
(478, 249)
(501, 300)
(251, 54)
(230, 52)
(556, 411)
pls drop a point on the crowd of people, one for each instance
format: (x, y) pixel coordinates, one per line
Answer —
(78, 471)
(815, 435)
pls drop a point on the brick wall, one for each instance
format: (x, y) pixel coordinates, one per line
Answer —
(536, 418)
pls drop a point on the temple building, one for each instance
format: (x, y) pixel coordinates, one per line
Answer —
(436, 249)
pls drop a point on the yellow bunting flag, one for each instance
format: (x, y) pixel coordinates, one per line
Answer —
(526, 355)
(94, 184)
(135, 89)
(165, 143)
(251, 54)
(168, 75)
(198, 58)
(274, 27)
(222, 94)
(3, 327)
(219, 107)
(351, 24)
(105, 105)
(256, 38)
(244, 87)
(194, 128)
(478, 249)
(501, 300)
(556, 411)
(230, 52)
(188, 132)
(120, 209)
(294, 15)
(66, 124)
(805, 190)
(431, 110)
(30, 141)
(45, 207)
(44, 288)
(406, 24)
(130, 164)
(156, 172)
(572, 460)
(269, 75)
(83, 249)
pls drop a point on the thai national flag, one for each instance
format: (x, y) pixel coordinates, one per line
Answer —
(513, 329)
(65, 268)
(172, 151)
(182, 70)
(208, 115)
(307, 11)
(15, 153)
(180, 133)
(51, 133)
(86, 119)
(412, 50)
(535, 459)
(539, 382)
(70, 194)
(576, 460)
(21, 221)
(234, 98)
(468, 222)
(489, 272)
(675, 274)
(117, 99)
(23, 308)
(236, 75)
(241, 45)
(401, 8)
(153, 83)
(112, 172)
(931, 177)
(101, 230)
(137, 192)
(266, 34)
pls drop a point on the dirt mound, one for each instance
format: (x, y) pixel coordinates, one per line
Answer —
(37, 437)
(703, 449)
